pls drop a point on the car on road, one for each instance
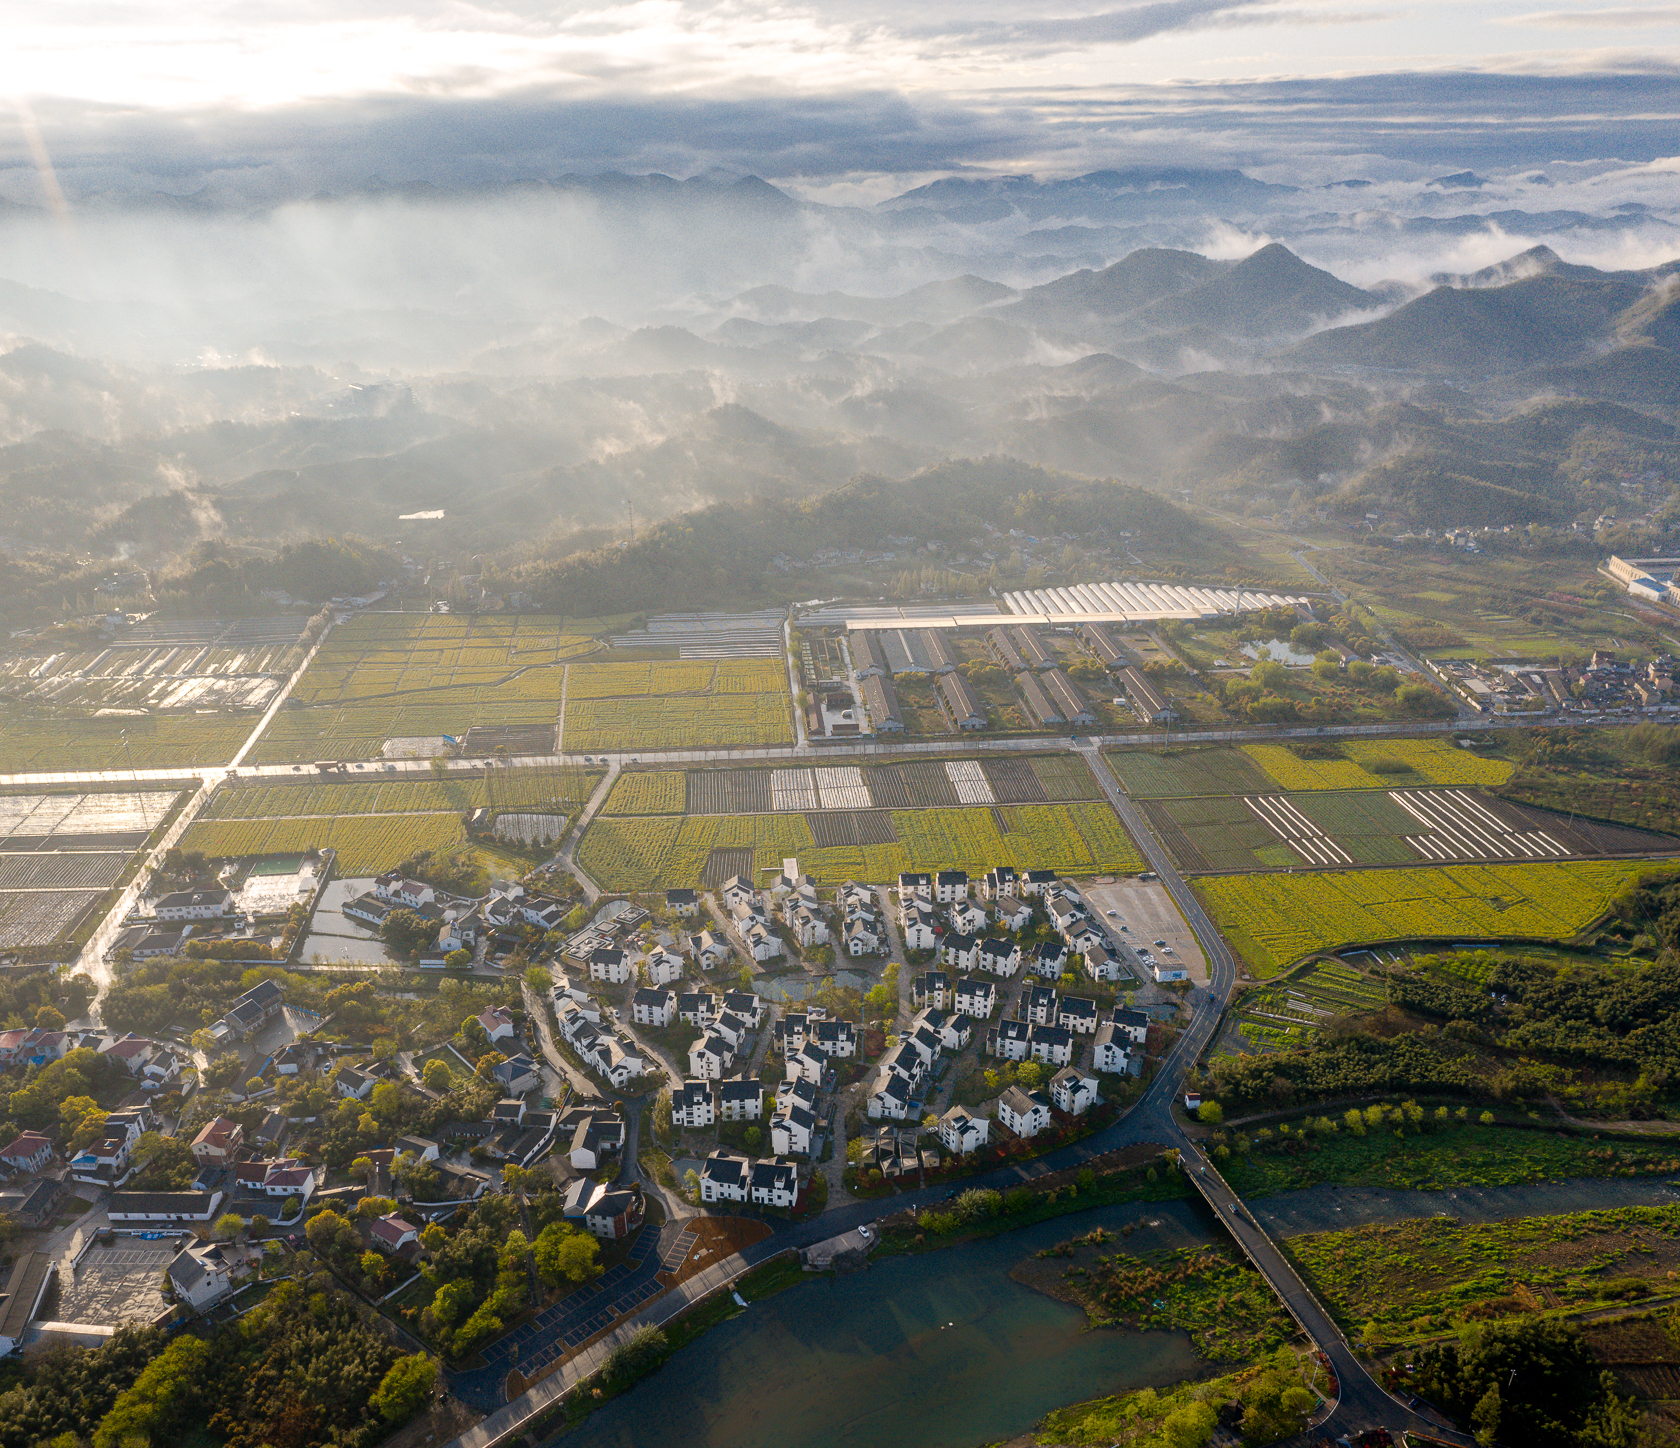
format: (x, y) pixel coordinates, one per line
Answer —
(1112, 914)
(865, 1233)
(1160, 942)
(297, 769)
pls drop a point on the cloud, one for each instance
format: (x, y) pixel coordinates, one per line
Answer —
(1569, 19)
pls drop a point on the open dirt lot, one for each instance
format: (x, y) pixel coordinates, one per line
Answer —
(115, 1283)
(1145, 907)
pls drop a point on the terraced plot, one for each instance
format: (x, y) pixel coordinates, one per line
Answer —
(1276, 918)
(1293, 1009)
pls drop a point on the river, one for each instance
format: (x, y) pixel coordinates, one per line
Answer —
(946, 1350)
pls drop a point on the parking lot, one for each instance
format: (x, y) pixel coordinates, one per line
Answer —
(115, 1282)
(1150, 915)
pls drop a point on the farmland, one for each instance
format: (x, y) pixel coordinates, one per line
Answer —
(421, 676)
(502, 788)
(652, 793)
(41, 741)
(61, 853)
(366, 844)
(914, 784)
(1290, 1010)
(1277, 918)
(1345, 765)
(665, 704)
(647, 853)
(1381, 764)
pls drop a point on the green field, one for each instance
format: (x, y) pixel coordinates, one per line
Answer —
(666, 704)
(644, 853)
(459, 793)
(1278, 918)
(32, 741)
(1290, 1011)
(1146, 774)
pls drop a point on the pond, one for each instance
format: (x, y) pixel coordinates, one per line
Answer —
(944, 1350)
(1279, 651)
(333, 936)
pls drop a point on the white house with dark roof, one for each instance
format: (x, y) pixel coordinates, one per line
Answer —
(808, 1063)
(998, 881)
(932, 988)
(1133, 1023)
(1049, 959)
(1038, 1005)
(791, 1129)
(199, 1273)
(1074, 1091)
(890, 1097)
(1102, 964)
(1023, 1113)
(741, 1098)
(998, 957)
(1077, 1014)
(1009, 1040)
(918, 923)
(710, 1058)
(1050, 1044)
(960, 951)
(653, 1007)
(610, 965)
(1110, 1049)
(963, 1131)
(683, 903)
(725, 1176)
(662, 967)
(746, 1004)
(697, 1008)
(968, 916)
(692, 1106)
(710, 949)
(949, 886)
(775, 1184)
(194, 905)
(835, 1039)
(862, 937)
(974, 997)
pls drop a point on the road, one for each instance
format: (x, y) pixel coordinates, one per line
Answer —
(538, 1012)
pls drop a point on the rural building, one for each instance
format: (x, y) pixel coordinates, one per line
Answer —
(217, 1141)
(1110, 1051)
(1101, 643)
(1001, 645)
(1066, 696)
(880, 701)
(194, 905)
(1147, 702)
(1039, 706)
(26, 1288)
(1073, 1091)
(691, 1105)
(867, 658)
(1023, 1113)
(962, 1131)
(959, 703)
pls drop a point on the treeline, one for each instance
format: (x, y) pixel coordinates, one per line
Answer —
(691, 560)
(301, 1369)
(216, 577)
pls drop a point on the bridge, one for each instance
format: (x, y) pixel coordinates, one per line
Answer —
(1361, 1401)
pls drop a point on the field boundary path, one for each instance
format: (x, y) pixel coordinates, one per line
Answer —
(279, 701)
(568, 851)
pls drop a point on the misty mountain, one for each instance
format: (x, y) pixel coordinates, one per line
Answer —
(1269, 294)
(1551, 317)
(1147, 275)
(1099, 195)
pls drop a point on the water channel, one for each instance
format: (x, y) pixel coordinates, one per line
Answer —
(946, 1350)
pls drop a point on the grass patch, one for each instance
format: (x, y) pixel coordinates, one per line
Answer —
(1465, 1155)
(1408, 1280)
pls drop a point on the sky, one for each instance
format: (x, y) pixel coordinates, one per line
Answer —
(846, 99)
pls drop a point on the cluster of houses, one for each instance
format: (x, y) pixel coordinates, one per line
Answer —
(605, 1050)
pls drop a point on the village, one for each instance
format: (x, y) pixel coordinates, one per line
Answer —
(747, 1051)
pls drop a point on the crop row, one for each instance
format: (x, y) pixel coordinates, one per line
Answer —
(636, 793)
(655, 722)
(1278, 918)
(366, 844)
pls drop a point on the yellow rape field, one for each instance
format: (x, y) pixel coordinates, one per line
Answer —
(644, 853)
(1274, 919)
(1382, 764)
(366, 844)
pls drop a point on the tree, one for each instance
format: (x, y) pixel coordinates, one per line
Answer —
(159, 1399)
(405, 932)
(370, 1207)
(228, 1226)
(90, 1129)
(405, 1389)
(753, 1136)
(564, 1254)
(361, 1168)
(331, 1236)
(386, 1102)
(433, 1237)
(458, 959)
(373, 1267)
(437, 1076)
(49, 1018)
(487, 1063)
(259, 1224)
(662, 1122)
(1189, 1426)
(1210, 1113)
